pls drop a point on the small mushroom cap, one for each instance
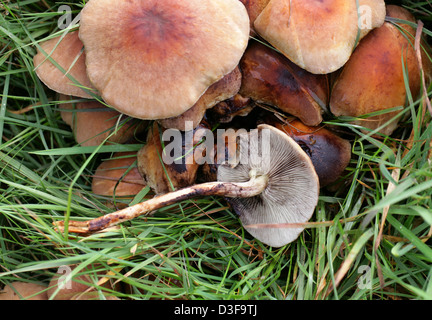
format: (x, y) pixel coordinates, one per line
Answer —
(24, 291)
(373, 78)
(118, 176)
(92, 122)
(319, 36)
(270, 78)
(162, 177)
(68, 54)
(154, 59)
(292, 191)
(224, 89)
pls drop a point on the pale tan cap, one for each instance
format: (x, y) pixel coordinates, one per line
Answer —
(319, 36)
(68, 53)
(154, 59)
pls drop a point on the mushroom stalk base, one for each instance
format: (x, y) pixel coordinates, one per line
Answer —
(253, 187)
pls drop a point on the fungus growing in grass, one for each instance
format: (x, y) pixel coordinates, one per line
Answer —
(270, 78)
(273, 183)
(68, 53)
(92, 122)
(373, 80)
(224, 89)
(118, 176)
(23, 291)
(154, 59)
(318, 35)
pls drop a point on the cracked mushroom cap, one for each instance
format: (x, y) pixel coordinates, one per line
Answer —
(68, 53)
(373, 79)
(318, 35)
(291, 194)
(154, 59)
(270, 78)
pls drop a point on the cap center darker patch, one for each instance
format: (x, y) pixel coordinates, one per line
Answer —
(160, 31)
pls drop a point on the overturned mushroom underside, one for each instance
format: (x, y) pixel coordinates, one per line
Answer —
(271, 166)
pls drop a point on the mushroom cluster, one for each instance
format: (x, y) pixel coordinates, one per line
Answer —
(275, 68)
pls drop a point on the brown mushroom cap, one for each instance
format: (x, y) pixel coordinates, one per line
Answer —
(68, 53)
(154, 59)
(270, 78)
(24, 291)
(118, 176)
(373, 78)
(319, 36)
(163, 177)
(92, 122)
(330, 154)
(224, 89)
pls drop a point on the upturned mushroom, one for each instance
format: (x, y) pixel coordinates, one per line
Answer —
(318, 35)
(92, 122)
(373, 80)
(270, 78)
(159, 57)
(273, 183)
(118, 176)
(222, 90)
(330, 153)
(60, 65)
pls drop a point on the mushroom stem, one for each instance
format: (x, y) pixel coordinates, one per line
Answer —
(253, 187)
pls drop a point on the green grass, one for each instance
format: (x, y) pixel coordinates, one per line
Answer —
(198, 249)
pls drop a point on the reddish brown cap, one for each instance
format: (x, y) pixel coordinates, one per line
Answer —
(373, 78)
(154, 59)
(270, 78)
(68, 53)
